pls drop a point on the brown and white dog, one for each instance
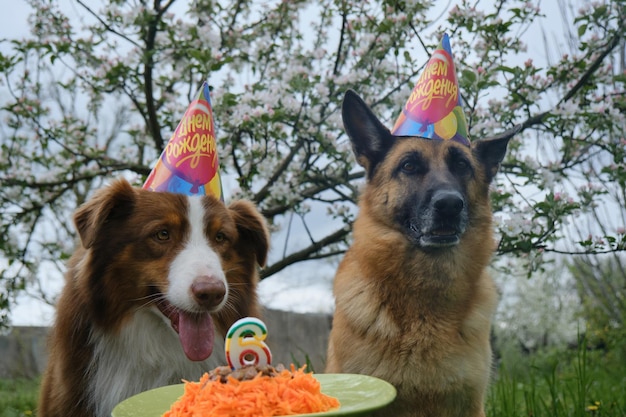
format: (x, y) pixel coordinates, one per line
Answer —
(157, 281)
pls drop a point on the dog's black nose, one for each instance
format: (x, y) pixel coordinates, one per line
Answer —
(208, 291)
(448, 203)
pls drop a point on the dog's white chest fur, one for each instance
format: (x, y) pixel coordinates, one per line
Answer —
(145, 355)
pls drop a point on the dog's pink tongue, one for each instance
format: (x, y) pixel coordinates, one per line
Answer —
(196, 335)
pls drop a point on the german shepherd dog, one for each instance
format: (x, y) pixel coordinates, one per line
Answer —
(413, 302)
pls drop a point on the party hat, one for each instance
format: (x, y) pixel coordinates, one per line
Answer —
(189, 163)
(433, 109)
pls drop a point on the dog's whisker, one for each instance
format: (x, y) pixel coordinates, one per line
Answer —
(237, 285)
(148, 297)
(229, 307)
(233, 269)
(149, 300)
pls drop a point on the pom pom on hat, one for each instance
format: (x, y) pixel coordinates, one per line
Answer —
(434, 108)
(189, 163)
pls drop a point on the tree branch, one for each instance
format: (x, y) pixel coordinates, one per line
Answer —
(584, 79)
(307, 253)
(106, 25)
(153, 122)
(344, 23)
(309, 192)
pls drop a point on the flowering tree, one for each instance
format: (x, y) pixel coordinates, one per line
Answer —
(94, 92)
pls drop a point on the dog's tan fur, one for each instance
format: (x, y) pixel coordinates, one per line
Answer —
(417, 317)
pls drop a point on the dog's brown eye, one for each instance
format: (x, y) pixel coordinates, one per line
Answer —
(220, 237)
(163, 235)
(462, 165)
(409, 166)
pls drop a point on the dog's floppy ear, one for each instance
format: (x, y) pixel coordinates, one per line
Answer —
(490, 152)
(115, 200)
(252, 227)
(370, 138)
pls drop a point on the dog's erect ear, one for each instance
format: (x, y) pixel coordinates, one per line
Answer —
(370, 138)
(490, 152)
(115, 200)
(252, 227)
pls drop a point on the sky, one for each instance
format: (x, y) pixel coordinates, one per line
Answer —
(306, 287)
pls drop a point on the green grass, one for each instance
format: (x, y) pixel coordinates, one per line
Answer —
(574, 383)
(18, 397)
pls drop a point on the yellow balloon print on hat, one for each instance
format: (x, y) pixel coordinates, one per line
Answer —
(446, 127)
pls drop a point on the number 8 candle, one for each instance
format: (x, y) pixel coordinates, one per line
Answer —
(245, 343)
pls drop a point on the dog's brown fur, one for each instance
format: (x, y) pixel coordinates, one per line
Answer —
(413, 301)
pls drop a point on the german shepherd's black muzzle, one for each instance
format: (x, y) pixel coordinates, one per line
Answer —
(439, 221)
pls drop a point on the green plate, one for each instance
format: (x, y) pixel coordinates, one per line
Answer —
(357, 394)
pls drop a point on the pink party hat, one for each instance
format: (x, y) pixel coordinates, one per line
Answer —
(434, 108)
(189, 163)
